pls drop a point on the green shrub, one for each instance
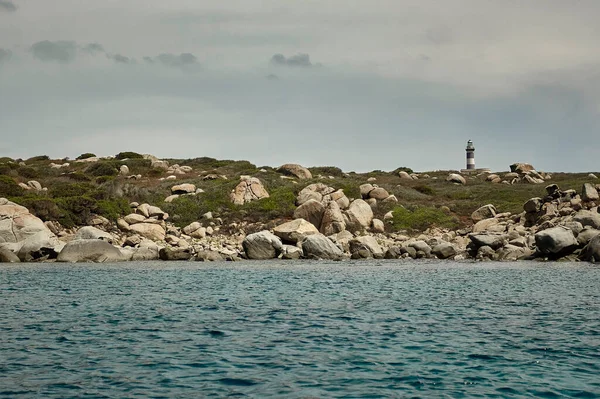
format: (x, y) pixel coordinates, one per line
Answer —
(104, 179)
(280, 204)
(137, 166)
(9, 188)
(129, 155)
(79, 176)
(424, 189)
(86, 155)
(7, 168)
(103, 169)
(113, 209)
(38, 158)
(421, 218)
(326, 171)
(75, 211)
(42, 207)
(204, 163)
(188, 208)
(220, 167)
(28, 172)
(64, 189)
(155, 172)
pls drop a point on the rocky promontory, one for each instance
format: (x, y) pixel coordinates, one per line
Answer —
(135, 207)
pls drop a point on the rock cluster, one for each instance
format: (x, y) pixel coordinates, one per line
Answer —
(559, 224)
(249, 189)
(32, 185)
(520, 173)
(146, 220)
(178, 170)
(331, 212)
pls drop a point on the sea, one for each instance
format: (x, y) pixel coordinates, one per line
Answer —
(305, 329)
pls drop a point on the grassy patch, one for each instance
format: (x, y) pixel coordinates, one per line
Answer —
(9, 188)
(421, 218)
(326, 171)
(103, 169)
(280, 204)
(37, 159)
(86, 155)
(128, 155)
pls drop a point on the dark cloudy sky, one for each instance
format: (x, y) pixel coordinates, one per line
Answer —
(362, 85)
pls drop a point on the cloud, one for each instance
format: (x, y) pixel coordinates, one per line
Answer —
(5, 55)
(60, 51)
(439, 36)
(402, 80)
(182, 60)
(120, 59)
(7, 6)
(298, 60)
(172, 60)
(93, 48)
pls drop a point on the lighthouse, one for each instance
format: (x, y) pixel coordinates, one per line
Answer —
(470, 155)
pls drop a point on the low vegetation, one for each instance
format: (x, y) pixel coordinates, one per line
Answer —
(419, 218)
(85, 188)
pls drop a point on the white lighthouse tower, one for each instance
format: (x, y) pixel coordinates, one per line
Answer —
(470, 155)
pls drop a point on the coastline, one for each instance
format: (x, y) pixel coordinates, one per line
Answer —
(293, 215)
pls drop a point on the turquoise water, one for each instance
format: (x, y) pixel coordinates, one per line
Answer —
(300, 330)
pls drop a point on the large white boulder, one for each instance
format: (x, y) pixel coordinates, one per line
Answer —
(151, 231)
(92, 233)
(333, 219)
(379, 193)
(556, 241)
(485, 212)
(360, 214)
(249, 189)
(589, 192)
(588, 218)
(311, 211)
(134, 218)
(369, 243)
(591, 252)
(17, 224)
(444, 250)
(456, 178)
(295, 230)
(42, 245)
(185, 188)
(318, 246)
(90, 251)
(8, 256)
(262, 245)
(404, 175)
(292, 169)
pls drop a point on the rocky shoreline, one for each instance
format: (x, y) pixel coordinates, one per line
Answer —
(561, 225)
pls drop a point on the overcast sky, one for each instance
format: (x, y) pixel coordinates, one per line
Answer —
(363, 85)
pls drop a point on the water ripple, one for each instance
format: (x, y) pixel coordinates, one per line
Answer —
(300, 330)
